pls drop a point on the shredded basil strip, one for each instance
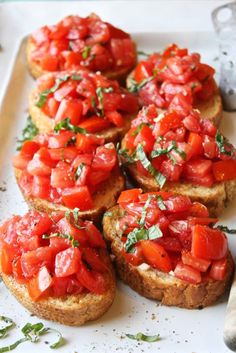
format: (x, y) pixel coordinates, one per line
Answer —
(75, 213)
(74, 243)
(9, 325)
(226, 229)
(138, 234)
(221, 141)
(66, 125)
(159, 177)
(161, 204)
(142, 337)
(141, 52)
(43, 96)
(171, 147)
(139, 128)
(76, 77)
(79, 171)
(99, 93)
(32, 333)
(135, 87)
(86, 52)
(124, 153)
(144, 210)
(28, 133)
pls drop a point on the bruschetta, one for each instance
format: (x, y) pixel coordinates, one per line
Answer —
(64, 170)
(89, 100)
(161, 76)
(81, 42)
(180, 152)
(165, 248)
(58, 268)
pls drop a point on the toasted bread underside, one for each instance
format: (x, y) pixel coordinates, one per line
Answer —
(158, 285)
(215, 197)
(72, 310)
(45, 124)
(103, 199)
(36, 70)
(211, 109)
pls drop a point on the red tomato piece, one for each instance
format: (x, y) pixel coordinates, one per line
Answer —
(128, 196)
(198, 210)
(135, 258)
(177, 203)
(6, 257)
(87, 143)
(224, 170)
(187, 273)
(41, 187)
(198, 167)
(62, 176)
(199, 264)
(142, 71)
(93, 281)
(146, 138)
(105, 158)
(171, 171)
(29, 148)
(60, 140)
(170, 121)
(207, 243)
(123, 52)
(94, 124)
(218, 269)
(69, 108)
(156, 255)
(20, 161)
(94, 236)
(195, 141)
(34, 223)
(115, 118)
(49, 62)
(50, 107)
(67, 262)
(33, 260)
(93, 259)
(40, 284)
(78, 196)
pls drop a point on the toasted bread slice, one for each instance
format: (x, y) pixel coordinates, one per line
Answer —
(36, 70)
(158, 285)
(211, 109)
(73, 310)
(215, 197)
(45, 124)
(103, 199)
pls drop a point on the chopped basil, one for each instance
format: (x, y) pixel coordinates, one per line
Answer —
(28, 133)
(32, 333)
(160, 151)
(43, 96)
(74, 243)
(141, 52)
(75, 213)
(135, 87)
(99, 92)
(124, 153)
(159, 177)
(76, 77)
(144, 210)
(86, 52)
(66, 125)
(226, 229)
(161, 204)
(221, 141)
(138, 234)
(9, 325)
(142, 337)
(139, 128)
(79, 171)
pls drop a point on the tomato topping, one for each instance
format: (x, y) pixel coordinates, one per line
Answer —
(199, 264)
(187, 273)
(218, 269)
(78, 196)
(53, 258)
(156, 256)
(224, 170)
(129, 196)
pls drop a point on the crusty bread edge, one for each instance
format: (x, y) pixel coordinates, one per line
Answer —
(161, 286)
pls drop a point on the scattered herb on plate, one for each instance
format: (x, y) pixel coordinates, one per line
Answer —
(142, 337)
(28, 133)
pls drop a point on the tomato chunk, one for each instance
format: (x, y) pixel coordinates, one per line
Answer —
(224, 170)
(129, 196)
(199, 264)
(67, 262)
(78, 196)
(187, 273)
(40, 284)
(218, 269)
(156, 255)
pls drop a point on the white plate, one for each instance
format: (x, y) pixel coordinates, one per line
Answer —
(185, 331)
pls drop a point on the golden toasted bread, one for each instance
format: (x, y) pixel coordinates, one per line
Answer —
(103, 199)
(36, 70)
(45, 124)
(158, 285)
(73, 310)
(215, 197)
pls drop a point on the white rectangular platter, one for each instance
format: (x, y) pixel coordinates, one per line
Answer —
(181, 331)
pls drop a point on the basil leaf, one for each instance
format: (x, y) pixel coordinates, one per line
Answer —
(79, 171)
(9, 325)
(76, 77)
(161, 204)
(142, 337)
(144, 210)
(75, 213)
(99, 92)
(226, 229)
(66, 125)
(138, 234)
(74, 243)
(159, 177)
(13, 345)
(135, 87)
(60, 342)
(160, 151)
(28, 133)
(86, 52)
(139, 128)
(221, 141)
(154, 232)
(43, 96)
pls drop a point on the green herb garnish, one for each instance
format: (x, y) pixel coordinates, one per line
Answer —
(160, 151)
(144, 210)
(124, 153)
(159, 177)
(66, 125)
(141, 52)
(99, 92)
(75, 214)
(9, 325)
(139, 128)
(135, 87)
(76, 77)
(74, 243)
(226, 229)
(142, 337)
(138, 234)
(28, 133)
(79, 171)
(221, 142)
(86, 52)
(161, 204)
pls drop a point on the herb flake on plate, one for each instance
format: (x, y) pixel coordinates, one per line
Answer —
(142, 337)
(28, 133)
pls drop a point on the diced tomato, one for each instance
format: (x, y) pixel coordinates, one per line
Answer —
(191, 123)
(105, 158)
(93, 259)
(210, 148)
(41, 187)
(64, 91)
(204, 71)
(87, 143)
(218, 269)
(128, 196)
(67, 227)
(94, 124)
(198, 210)
(60, 140)
(199, 264)
(207, 243)
(25, 183)
(171, 171)
(177, 203)
(181, 104)
(67, 154)
(7, 256)
(198, 167)
(92, 280)
(41, 163)
(115, 118)
(208, 89)
(142, 71)
(33, 260)
(38, 285)
(20, 161)
(78, 196)
(34, 223)
(156, 255)
(49, 62)
(123, 51)
(187, 273)
(195, 141)
(135, 258)
(203, 221)
(17, 271)
(69, 108)
(182, 231)
(171, 244)
(99, 32)
(224, 170)
(146, 138)
(128, 103)
(170, 120)
(67, 262)
(94, 236)
(29, 148)
(163, 194)
(62, 176)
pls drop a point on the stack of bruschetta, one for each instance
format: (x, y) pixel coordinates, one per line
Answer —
(91, 134)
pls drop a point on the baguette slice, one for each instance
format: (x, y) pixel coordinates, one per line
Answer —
(103, 199)
(73, 310)
(36, 70)
(158, 285)
(215, 198)
(211, 110)
(45, 124)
